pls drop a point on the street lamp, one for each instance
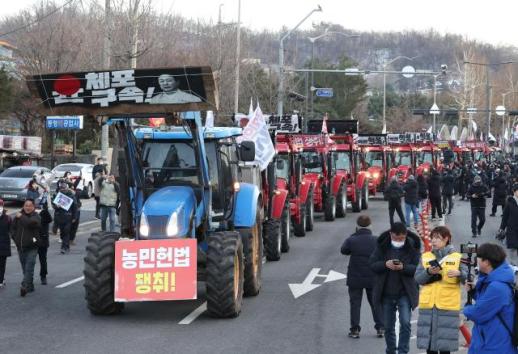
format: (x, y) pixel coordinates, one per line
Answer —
(313, 40)
(280, 91)
(384, 131)
(499, 112)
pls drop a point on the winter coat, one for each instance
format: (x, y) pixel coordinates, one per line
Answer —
(448, 184)
(434, 186)
(64, 216)
(411, 192)
(410, 259)
(437, 330)
(46, 219)
(25, 230)
(109, 194)
(510, 223)
(5, 241)
(359, 246)
(500, 191)
(477, 194)
(422, 187)
(98, 169)
(493, 296)
(97, 186)
(394, 193)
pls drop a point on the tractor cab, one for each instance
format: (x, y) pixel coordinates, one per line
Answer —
(377, 160)
(403, 161)
(428, 157)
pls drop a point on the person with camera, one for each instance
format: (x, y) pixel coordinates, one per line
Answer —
(440, 274)
(477, 194)
(493, 311)
(395, 261)
(509, 224)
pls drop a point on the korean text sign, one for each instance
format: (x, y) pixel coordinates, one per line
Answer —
(155, 270)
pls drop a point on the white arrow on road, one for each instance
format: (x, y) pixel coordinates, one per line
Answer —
(307, 285)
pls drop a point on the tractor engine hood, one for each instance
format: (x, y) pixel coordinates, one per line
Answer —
(168, 213)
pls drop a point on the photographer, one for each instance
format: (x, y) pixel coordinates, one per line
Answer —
(439, 273)
(493, 311)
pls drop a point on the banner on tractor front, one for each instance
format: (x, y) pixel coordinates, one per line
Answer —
(155, 270)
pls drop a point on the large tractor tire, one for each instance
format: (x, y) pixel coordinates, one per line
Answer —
(272, 239)
(300, 228)
(225, 274)
(341, 202)
(286, 228)
(310, 212)
(356, 203)
(99, 272)
(253, 251)
(330, 208)
(365, 197)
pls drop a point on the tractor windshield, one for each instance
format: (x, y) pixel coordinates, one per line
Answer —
(342, 161)
(170, 162)
(403, 158)
(374, 158)
(282, 169)
(424, 156)
(311, 162)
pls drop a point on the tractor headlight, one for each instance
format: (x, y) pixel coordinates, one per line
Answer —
(144, 226)
(425, 169)
(375, 175)
(368, 174)
(172, 225)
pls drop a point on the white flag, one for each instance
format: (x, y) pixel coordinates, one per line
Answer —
(251, 110)
(474, 125)
(429, 131)
(491, 137)
(257, 131)
(453, 133)
(506, 135)
(209, 121)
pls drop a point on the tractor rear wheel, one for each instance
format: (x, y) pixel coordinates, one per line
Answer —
(253, 251)
(300, 228)
(286, 228)
(272, 239)
(356, 204)
(99, 272)
(341, 202)
(225, 274)
(365, 198)
(330, 208)
(310, 212)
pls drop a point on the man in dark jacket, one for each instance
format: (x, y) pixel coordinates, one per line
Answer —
(5, 241)
(411, 189)
(510, 224)
(99, 167)
(393, 194)
(360, 246)
(64, 218)
(477, 194)
(395, 261)
(499, 192)
(25, 233)
(43, 246)
(448, 187)
(434, 193)
(422, 190)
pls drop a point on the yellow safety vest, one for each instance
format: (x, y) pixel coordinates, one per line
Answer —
(446, 293)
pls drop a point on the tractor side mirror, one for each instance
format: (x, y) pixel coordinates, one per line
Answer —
(247, 151)
(280, 164)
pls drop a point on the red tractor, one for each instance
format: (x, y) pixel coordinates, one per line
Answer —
(428, 157)
(377, 160)
(404, 161)
(479, 150)
(348, 180)
(300, 188)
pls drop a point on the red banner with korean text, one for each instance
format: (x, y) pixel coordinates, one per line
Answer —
(155, 270)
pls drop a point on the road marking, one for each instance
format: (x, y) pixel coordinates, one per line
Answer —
(73, 281)
(89, 222)
(194, 315)
(307, 285)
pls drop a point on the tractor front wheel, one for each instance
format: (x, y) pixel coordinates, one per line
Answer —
(300, 227)
(253, 250)
(286, 228)
(341, 202)
(330, 208)
(310, 212)
(272, 239)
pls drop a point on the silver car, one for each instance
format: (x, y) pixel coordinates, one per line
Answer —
(77, 170)
(15, 180)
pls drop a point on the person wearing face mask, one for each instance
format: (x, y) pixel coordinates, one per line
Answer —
(5, 241)
(493, 311)
(440, 274)
(360, 277)
(394, 261)
(509, 223)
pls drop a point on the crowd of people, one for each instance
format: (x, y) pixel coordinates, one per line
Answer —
(30, 227)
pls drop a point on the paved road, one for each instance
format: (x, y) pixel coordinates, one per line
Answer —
(54, 319)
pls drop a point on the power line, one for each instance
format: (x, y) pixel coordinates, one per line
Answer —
(37, 20)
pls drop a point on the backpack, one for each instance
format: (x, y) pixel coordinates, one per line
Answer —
(513, 332)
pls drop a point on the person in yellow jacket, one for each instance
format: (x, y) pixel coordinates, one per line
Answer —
(440, 274)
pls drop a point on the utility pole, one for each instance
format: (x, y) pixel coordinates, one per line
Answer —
(488, 102)
(106, 64)
(220, 37)
(238, 60)
(134, 34)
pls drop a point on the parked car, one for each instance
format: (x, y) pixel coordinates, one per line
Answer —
(78, 170)
(14, 181)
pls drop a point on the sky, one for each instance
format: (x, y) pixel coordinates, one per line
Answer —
(488, 21)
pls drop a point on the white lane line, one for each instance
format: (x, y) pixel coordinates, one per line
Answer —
(89, 222)
(193, 315)
(73, 281)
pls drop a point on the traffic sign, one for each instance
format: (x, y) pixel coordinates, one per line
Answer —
(500, 110)
(471, 110)
(435, 109)
(408, 71)
(64, 122)
(324, 92)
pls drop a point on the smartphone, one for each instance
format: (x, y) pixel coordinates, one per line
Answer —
(434, 263)
(396, 261)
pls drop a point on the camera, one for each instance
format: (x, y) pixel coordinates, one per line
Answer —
(469, 248)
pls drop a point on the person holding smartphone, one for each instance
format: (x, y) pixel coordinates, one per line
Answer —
(440, 274)
(394, 261)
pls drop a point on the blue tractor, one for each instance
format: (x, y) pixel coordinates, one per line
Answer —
(181, 181)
